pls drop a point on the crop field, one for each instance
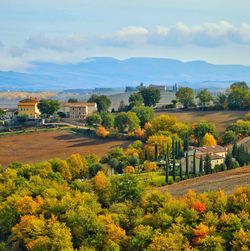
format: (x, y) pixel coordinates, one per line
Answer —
(38, 146)
(227, 181)
(220, 118)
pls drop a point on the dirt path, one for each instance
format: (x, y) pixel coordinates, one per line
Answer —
(38, 146)
(226, 181)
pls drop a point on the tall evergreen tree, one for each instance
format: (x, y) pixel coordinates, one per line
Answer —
(201, 165)
(174, 169)
(194, 163)
(187, 165)
(186, 142)
(234, 150)
(229, 161)
(181, 170)
(207, 164)
(156, 152)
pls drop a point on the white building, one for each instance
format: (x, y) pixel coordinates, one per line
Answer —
(78, 110)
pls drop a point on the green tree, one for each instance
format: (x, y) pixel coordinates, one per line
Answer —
(242, 85)
(229, 161)
(72, 100)
(107, 119)
(145, 114)
(103, 102)
(229, 137)
(126, 187)
(205, 97)
(151, 96)
(135, 99)
(207, 164)
(127, 121)
(48, 107)
(93, 120)
(220, 101)
(185, 96)
(201, 165)
(2, 113)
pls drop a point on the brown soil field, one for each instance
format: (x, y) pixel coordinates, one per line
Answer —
(220, 118)
(227, 181)
(38, 146)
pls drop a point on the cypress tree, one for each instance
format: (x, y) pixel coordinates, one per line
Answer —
(201, 165)
(156, 152)
(167, 165)
(186, 142)
(229, 161)
(173, 148)
(174, 168)
(234, 150)
(145, 154)
(176, 149)
(187, 164)
(181, 171)
(194, 163)
(207, 165)
(167, 172)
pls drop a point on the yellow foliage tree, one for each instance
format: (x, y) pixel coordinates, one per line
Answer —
(163, 123)
(162, 141)
(78, 166)
(129, 169)
(209, 140)
(150, 166)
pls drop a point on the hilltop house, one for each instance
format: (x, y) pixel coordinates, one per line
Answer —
(216, 153)
(29, 107)
(78, 110)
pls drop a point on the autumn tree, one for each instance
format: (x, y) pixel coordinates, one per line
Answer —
(209, 140)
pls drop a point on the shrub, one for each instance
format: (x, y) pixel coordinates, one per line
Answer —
(102, 132)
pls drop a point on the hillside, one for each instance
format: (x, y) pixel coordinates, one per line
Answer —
(111, 72)
(227, 181)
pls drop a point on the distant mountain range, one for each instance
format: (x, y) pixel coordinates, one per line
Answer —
(110, 72)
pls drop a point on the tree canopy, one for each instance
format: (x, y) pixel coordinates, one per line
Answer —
(185, 96)
(150, 95)
(103, 102)
(48, 107)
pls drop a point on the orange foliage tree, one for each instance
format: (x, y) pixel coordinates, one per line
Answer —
(102, 132)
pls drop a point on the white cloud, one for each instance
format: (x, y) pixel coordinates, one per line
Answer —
(128, 41)
(68, 43)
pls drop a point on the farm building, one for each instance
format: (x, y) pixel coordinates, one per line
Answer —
(29, 107)
(78, 110)
(216, 153)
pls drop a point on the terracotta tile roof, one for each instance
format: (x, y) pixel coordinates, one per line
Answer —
(211, 155)
(79, 104)
(29, 100)
(211, 149)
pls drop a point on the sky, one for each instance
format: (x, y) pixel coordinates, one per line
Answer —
(68, 31)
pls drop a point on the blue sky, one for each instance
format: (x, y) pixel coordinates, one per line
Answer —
(71, 30)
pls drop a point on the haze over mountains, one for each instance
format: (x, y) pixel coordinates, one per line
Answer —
(111, 72)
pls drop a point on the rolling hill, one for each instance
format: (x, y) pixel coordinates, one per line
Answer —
(227, 181)
(111, 72)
